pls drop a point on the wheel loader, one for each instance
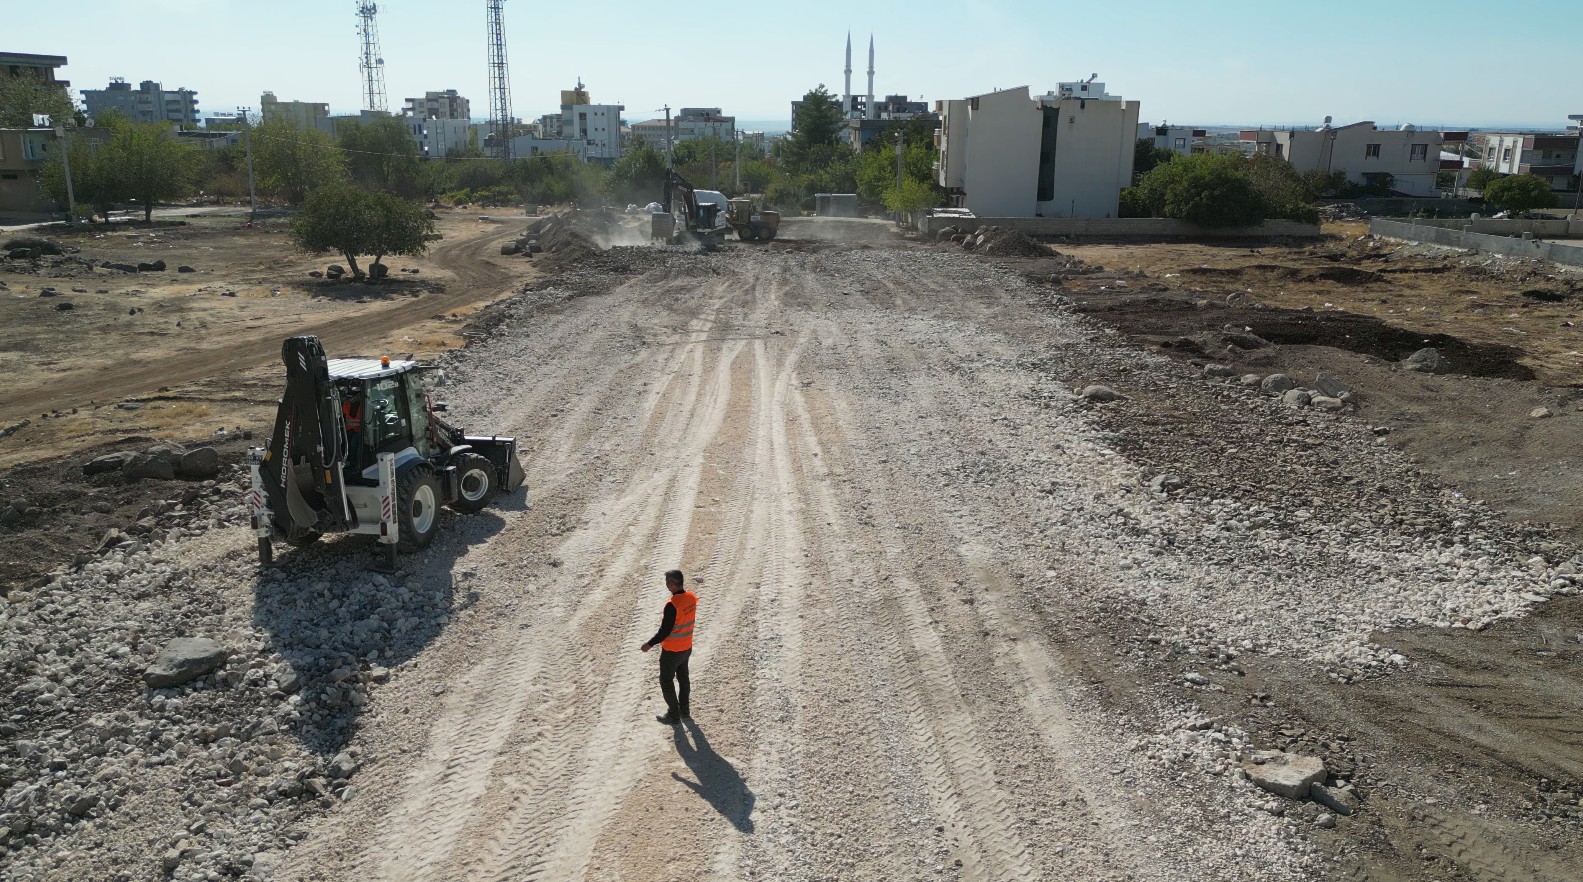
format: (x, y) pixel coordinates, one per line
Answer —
(359, 447)
(751, 222)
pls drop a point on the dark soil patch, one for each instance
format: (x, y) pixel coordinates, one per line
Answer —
(1347, 275)
(75, 511)
(1366, 335)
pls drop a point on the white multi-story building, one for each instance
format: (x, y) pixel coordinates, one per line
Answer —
(149, 102)
(1408, 158)
(1067, 153)
(689, 124)
(1177, 139)
(437, 138)
(439, 105)
(1552, 157)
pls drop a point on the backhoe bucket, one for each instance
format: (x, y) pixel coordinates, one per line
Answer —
(503, 453)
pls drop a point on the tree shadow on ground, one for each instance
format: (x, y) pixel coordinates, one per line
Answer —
(341, 626)
(346, 289)
(718, 782)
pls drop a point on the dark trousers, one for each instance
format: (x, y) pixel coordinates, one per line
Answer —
(673, 672)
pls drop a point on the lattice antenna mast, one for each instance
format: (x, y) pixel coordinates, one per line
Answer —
(500, 122)
(371, 64)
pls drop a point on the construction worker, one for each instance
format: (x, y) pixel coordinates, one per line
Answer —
(675, 639)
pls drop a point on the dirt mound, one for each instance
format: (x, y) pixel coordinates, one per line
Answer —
(569, 238)
(995, 241)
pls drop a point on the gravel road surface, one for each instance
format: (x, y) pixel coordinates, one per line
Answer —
(906, 529)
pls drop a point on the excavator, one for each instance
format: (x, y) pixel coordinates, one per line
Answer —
(360, 447)
(701, 219)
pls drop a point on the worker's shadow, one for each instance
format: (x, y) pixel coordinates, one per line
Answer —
(718, 781)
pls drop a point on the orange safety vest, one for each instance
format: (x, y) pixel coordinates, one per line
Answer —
(681, 637)
(352, 413)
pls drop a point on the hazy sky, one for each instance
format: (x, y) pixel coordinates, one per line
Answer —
(1430, 62)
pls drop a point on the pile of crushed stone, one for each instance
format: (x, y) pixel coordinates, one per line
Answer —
(994, 241)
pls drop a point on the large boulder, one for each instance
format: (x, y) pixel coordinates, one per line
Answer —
(183, 660)
(143, 465)
(1277, 384)
(109, 462)
(169, 451)
(155, 266)
(200, 462)
(511, 247)
(1284, 774)
(1099, 393)
(378, 271)
(1427, 361)
(1327, 384)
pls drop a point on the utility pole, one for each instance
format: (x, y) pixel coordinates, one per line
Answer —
(736, 135)
(668, 162)
(898, 175)
(714, 176)
(247, 147)
(65, 164)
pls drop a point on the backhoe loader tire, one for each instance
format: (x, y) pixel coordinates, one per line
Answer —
(747, 234)
(417, 507)
(766, 234)
(476, 482)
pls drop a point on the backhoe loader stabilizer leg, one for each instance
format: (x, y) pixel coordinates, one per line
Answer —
(263, 525)
(389, 524)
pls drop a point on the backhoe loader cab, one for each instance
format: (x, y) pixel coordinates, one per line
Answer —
(359, 447)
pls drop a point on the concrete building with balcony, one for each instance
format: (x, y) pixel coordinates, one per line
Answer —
(39, 67)
(1177, 139)
(149, 102)
(1067, 153)
(439, 105)
(689, 124)
(302, 114)
(1553, 157)
(438, 138)
(1407, 158)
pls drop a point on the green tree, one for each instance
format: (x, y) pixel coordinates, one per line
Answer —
(639, 175)
(1520, 193)
(93, 187)
(23, 97)
(1208, 189)
(1145, 156)
(876, 169)
(348, 220)
(817, 124)
(1320, 184)
(380, 154)
(1481, 178)
(146, 164)
(1285, 192)
(289, 162)
(912, 196)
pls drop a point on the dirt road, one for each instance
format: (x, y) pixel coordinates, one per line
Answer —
(905, 538)
(958, 621)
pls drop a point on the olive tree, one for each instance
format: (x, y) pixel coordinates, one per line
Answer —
(1520, 193)
(347, 220)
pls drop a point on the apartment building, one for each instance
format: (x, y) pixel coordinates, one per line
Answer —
(439, 105)
(149, 102)
(302, 114)
(1067, 153)
(1553, 157)
(1408, 158)
(23, 153)
(1177, 139)
(689, 124)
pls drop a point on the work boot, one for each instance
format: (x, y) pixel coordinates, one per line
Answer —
(669, 719)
